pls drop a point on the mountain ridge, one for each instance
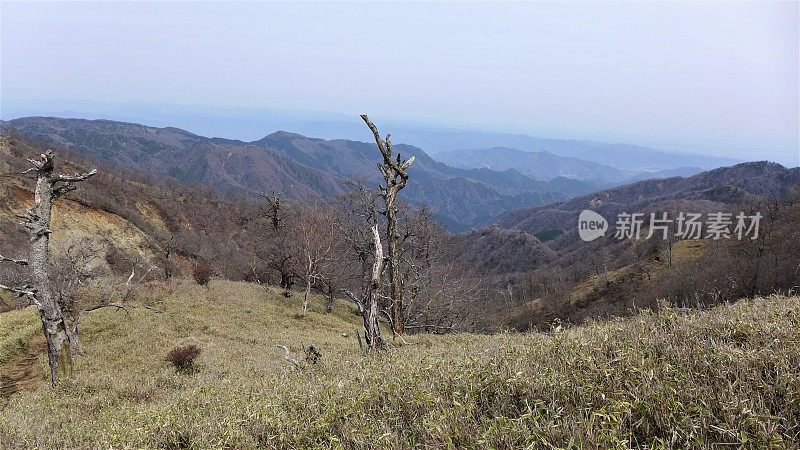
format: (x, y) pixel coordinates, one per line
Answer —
(249, 123)
(295, 165)
(725, 184)
(541, 165)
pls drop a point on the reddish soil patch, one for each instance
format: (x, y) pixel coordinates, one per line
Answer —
(21, 195)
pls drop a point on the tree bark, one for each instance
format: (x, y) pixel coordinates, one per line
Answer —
(308, 289)
(330, 299)
(43, 295)
(395, 174)
(53, 323)
(372, 330)
(398, 324)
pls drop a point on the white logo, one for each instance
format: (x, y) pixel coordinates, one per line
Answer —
(591, 225)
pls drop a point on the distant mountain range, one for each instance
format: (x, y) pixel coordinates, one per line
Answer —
(705, 192)
(253, 123)
(530, 254)
(549, 233)
(622, 156)
(545, 166)
(298, 166)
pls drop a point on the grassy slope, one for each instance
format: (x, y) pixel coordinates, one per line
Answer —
(16, 329)
(729, 375)
(590, 298)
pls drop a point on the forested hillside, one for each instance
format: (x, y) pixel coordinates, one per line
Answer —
(528, 268)
(556, 275)
(296, 166)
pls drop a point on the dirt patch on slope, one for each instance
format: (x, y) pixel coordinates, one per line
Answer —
(152, 214)
(23, 372)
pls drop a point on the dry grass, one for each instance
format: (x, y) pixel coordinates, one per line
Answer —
(17, 327)
(682, 252)
(728, 376)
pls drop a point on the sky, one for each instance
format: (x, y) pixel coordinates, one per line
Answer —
(715, 77)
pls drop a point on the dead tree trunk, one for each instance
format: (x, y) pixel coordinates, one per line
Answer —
(41, 292)
(372, 330)
(395, 172)
(330, 299)
(368, 302)
(279, 257)
(167, 251)
(363, 236)
(309, 282)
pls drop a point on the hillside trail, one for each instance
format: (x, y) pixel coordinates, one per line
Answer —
(22, 372)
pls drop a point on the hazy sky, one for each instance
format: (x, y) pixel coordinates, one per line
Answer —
(710, 74)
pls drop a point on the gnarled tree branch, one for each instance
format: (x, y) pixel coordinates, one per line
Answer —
(287, 355)
(19, 262)
(395, 173)
(73, 178)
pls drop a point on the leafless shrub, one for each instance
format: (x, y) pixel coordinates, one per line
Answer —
(312, 355)
(202, 273)
(183, 358)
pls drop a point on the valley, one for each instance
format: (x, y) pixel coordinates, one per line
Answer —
(429, 225)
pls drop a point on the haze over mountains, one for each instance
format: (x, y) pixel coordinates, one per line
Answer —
(253, 123)
(464, 189)
(298, 166)
(545, 165)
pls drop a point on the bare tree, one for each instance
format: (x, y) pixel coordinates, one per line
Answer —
(315, 242)
(339, 269)
(72, 270)
(395, 173)
(69, 270)
(361, 233)
(336, 275)
(278, 253)
(166, 249)
(442, 299)
(40, 291)
(440, 296)
(301, 243)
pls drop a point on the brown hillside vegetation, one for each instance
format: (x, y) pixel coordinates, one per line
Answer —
(659, 380)
(300, 167)
(542, 271)
(126, 217)
(130, 219)
(617, 279)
